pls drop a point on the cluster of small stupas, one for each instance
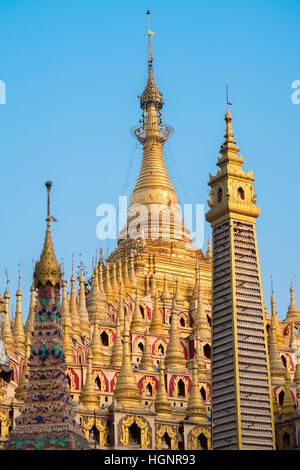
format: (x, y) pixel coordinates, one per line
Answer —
(125, 362)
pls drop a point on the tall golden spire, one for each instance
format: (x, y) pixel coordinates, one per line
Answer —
(132, 275)
(201, 322)
(108, 288)
(73, 307)
(65, 313)
(120, 313)
(279, 335)
(208, 255)
(156, 326)
(174, 355)
(30, 319)
(162, 405)
(96, 345)
(7, 333)
(277, 369)
(293, 311)
(137, 321)
(82, 310)
(195, 408)
(48, 269)
(153, 286)
(165, 295)
(117, 349)
(127, 282)
(100, 271)
(114, 284)
(21, 389)
(153, 185)
(178, 296)
(67, 343)
(120, 278)
(288, 407)
(202, 371)
(147, 357)
(97, 302)
(126, 391)
(18, 331)
(89, 397)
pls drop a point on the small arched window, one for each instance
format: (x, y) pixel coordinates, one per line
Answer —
(182, 321)
(140, 347)
(94, 434)
(241, 193)
(142, 311)
(202, 442)
(203, 393)
(181, 388)
(98, 383)
(134, 436)
(166, 441)
(220, 195)
(161, 350)
(69, 380)
(104, 338)
(283, 360)
(207, 351)
(286, 441)
(149, 390)
(281, 397)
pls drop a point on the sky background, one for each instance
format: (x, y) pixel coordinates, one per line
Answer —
(73, 71)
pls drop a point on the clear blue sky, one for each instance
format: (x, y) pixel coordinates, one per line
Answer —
(73, 70)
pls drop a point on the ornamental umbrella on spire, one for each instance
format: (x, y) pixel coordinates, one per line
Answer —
(46, 419)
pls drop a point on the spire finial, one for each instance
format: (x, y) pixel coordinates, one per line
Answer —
(49, 219)
(6, 275)
(72, 264)
(272, 287)
(19, 274)
(48, 185)
(227, 101)
(149, 34)
(48, 269)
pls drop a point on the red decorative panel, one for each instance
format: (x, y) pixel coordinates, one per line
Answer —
(74, 379)
(289, 361)
(286, 330)
(184, 349)
(191, 349)
(174, 381)
(148, 312)
(114, 381)
(156, 344)
(136, 341)
(103, 379)
(143, 382)
(110, 333)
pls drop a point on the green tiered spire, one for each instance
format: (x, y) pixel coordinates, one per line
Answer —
(47, 420)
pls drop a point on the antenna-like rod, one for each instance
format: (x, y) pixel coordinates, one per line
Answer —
(227, 101)
(19, 274)
(48, 185)
(272, 288)
(6, 274)
(149, 34)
